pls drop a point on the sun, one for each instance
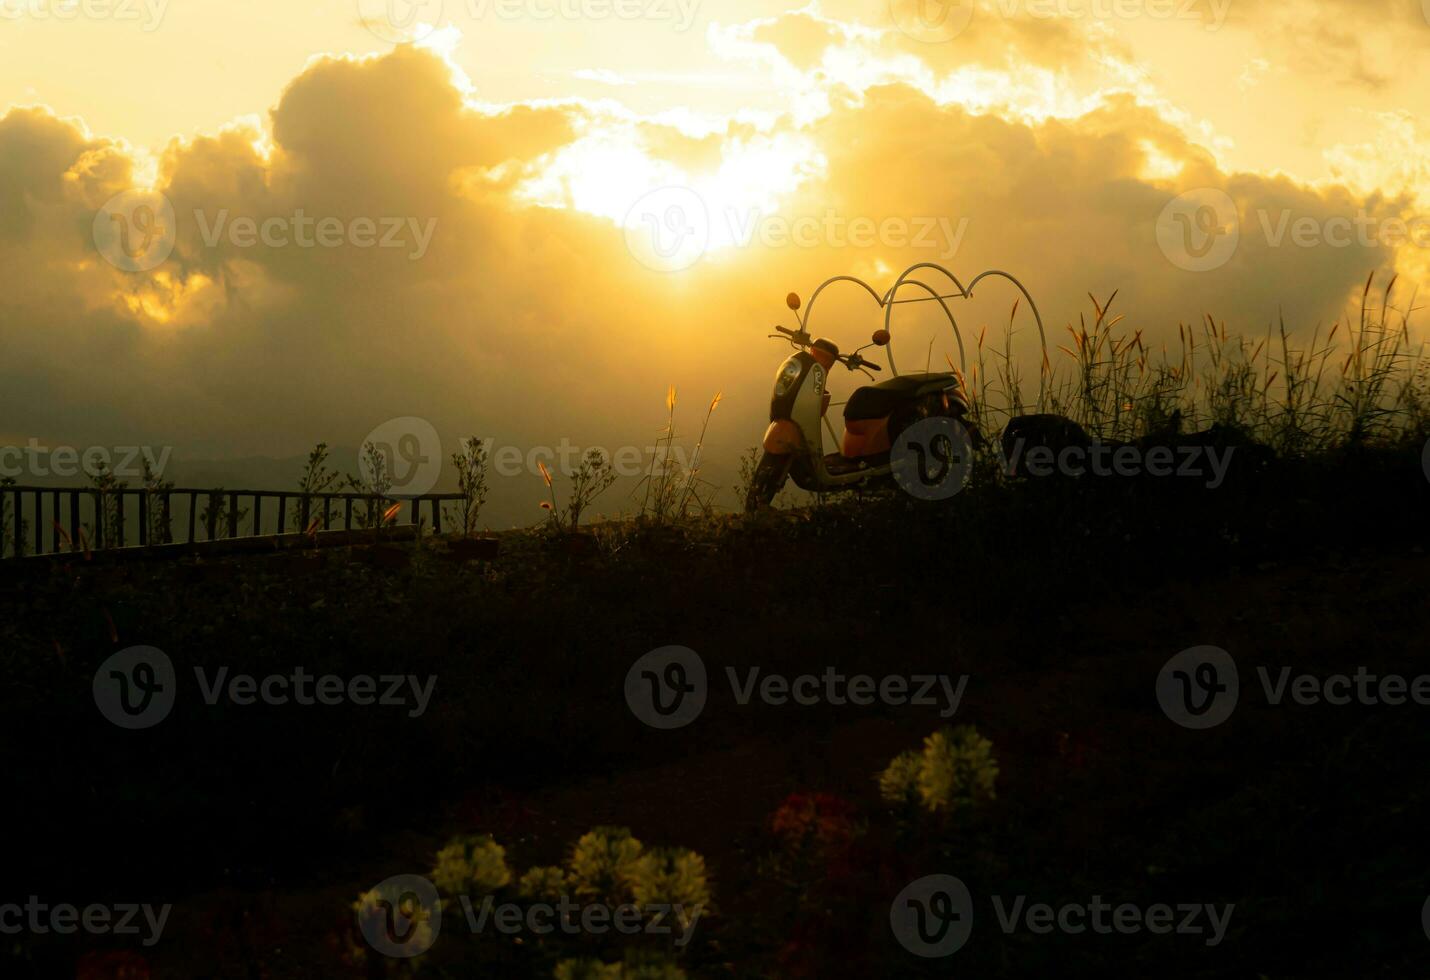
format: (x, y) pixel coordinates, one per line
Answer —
(611, 175)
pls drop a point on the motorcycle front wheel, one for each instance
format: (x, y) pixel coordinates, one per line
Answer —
(769, 477)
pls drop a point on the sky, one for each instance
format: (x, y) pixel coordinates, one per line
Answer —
(238, 229)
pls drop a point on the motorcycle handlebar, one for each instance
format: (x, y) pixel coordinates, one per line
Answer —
(851, 361)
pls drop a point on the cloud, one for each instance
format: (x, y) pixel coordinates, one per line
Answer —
(532, 323)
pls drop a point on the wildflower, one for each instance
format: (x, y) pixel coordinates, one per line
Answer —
(546, 882)
(471, 864)
(827, 818)
(955, 770)
(604, 863)
(672, 876)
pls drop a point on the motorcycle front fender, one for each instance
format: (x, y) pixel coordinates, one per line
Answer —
(783, 437)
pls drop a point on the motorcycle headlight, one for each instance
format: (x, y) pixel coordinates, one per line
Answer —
(788, 375)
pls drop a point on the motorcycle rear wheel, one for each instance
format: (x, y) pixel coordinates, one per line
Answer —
(768, 479)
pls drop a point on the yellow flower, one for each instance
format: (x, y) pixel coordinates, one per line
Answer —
(955, 770)
(471, 865)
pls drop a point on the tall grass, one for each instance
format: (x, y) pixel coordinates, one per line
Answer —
(1361, 383)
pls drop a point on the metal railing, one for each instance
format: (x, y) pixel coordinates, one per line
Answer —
(76, 518)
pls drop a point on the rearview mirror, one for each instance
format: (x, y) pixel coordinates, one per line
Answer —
(881, 338)
(792, 301)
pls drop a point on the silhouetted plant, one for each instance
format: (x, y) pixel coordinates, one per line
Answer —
(591, 478)
(953, 771)
(218, 512)
(8, 516)
(109, 503)
(160, 524)
(471, 466)
(374, 481)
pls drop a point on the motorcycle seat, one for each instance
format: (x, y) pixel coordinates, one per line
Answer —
(877, 401)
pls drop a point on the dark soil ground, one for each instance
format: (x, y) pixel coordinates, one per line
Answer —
(1061, 602)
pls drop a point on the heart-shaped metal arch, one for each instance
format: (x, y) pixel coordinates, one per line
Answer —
(890, 299)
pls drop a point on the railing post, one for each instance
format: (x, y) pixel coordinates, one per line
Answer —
(193, 514)
(119, 518)
(144, 518)
(99, 501)
(233, 515)
(282, 512)
(75, 531)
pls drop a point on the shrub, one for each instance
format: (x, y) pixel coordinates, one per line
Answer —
(954, 771)
(474, 864)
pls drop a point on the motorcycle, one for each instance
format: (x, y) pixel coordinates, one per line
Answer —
(875, 416)
(892, 429)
